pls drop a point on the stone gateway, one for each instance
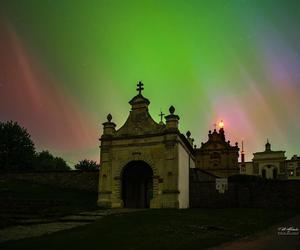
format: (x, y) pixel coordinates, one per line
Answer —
(145, 164)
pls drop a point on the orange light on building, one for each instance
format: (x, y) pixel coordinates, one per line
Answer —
(221, 124)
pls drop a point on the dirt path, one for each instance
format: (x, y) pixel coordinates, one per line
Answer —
(37, 228)
(267, 240)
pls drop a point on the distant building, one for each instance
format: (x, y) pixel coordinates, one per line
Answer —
(271, 164)
(217, 156)
(293, 167)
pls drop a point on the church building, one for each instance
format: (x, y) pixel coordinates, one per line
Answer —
(217, 156)
(268, 164)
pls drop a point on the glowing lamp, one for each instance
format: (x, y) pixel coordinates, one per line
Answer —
(221, 124)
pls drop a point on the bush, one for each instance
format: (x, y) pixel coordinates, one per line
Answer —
(17, 151)
(46, 161)
(87, 165)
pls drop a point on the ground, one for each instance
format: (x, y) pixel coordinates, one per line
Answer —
(267, 239)
(23, 202)
(146, 229)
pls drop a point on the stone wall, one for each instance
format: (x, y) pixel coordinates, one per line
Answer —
(80, 180)
(258, 194)
(203, 193)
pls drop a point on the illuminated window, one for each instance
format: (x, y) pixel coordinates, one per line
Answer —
(291, 173)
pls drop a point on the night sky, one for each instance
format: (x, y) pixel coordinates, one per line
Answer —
(64, 65)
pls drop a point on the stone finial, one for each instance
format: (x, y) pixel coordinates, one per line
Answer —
(172, 119)
(188, 134)
(236, 144)
(268, 145)
(109, 126)
(209, 135)
(139, 102)
(109, 117)
(172, 110)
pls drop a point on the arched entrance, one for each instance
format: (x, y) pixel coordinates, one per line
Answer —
(275, 173)
(137, 185)
(264, 173)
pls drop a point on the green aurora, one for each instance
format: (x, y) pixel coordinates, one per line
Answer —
(233, 60)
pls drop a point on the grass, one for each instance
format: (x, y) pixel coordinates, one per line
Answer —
(159, 229)
(143, 230)
(20, 200)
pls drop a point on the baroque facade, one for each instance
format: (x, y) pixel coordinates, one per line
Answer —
(217, 156)
(144, 163)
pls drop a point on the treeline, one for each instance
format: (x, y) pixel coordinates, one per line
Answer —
(18, 153)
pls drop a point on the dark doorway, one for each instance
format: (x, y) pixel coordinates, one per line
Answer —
(274, 173)
(137, 185)
(263, 173)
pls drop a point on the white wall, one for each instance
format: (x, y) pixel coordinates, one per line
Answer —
(269, 170)
(183, 176)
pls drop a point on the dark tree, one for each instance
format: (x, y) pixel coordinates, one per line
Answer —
(16, 147)
(46, 161)
(87, 165)
(61, 164)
